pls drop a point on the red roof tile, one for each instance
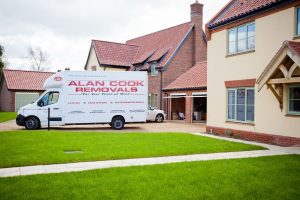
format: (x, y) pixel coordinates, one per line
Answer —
(25, 80)
(196, 77)
(116, 54)
(294, 46)
(237, 8)
(142, 58)
(168, 39)
(158, 54)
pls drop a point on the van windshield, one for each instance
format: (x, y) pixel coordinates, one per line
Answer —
(49, 98)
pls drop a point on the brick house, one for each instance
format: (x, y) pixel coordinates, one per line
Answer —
(253, 71)
(20, 87)
(165, 54)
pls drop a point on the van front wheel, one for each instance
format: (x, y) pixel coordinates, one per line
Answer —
(31, 123)
(117, 123)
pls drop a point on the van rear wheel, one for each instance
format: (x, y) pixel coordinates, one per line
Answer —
(32, 123)
(117, 123)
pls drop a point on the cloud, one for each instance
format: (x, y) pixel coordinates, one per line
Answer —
(64, 28)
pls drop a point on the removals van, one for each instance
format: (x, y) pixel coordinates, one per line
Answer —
(82, 97)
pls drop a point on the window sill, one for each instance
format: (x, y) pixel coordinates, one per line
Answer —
(242, 123)
(240, 53)
(296, 37)
(292, 115)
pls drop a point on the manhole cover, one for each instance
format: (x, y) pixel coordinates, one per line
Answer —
(72, 151)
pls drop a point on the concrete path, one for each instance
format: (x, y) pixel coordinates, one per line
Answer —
(81, 166)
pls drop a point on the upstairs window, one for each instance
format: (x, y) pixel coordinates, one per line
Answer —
(154, 72)
(298, 21)
(241, 39)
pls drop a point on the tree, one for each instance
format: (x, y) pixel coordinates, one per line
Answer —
(39, 59)
(2, 64)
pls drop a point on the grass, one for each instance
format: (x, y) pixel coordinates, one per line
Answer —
(20, 148)
(273, 178)
(6, 116)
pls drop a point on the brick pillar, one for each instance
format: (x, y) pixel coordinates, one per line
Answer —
(188, 108)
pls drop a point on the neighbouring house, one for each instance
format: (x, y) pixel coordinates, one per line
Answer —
(187, 94)
(165, 55)
(253, 71)
(20, 87)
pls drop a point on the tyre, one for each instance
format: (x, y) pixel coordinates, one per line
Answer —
(159, 118)
(117, 123)
(32, 123)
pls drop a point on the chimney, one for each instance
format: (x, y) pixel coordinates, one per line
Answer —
(197, 20)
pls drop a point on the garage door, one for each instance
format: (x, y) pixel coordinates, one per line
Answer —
(24, 98)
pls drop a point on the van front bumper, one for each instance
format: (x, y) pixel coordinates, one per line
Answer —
(20, 120)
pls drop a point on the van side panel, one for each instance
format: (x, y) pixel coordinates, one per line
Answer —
(96, 97)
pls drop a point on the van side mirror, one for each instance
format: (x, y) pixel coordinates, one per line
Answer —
(40, 103)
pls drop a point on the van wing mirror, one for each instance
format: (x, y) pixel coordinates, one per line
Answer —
(40, 103)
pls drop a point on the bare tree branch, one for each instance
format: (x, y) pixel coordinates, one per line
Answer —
(39, 59)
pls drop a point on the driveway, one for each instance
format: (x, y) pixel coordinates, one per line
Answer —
(167, 126)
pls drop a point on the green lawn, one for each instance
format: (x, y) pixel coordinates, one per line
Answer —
(5, 116)
(20, 148)
(274, 178)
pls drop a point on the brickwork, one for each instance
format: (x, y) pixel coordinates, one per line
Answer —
(6, 98)
(240, 83)
(254, 136)
(192, 50)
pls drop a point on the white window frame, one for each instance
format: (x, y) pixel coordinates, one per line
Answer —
(235, 105)
(296, 21)
(236, 39)
(288, 100)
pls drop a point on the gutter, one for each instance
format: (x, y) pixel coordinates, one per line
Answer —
(251, 13)
(181, 89)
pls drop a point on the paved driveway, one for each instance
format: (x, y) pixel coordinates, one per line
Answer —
(167, 126)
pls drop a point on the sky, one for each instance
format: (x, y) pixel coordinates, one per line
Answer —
(64, 28)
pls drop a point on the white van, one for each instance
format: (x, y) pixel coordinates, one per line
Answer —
(113, 98)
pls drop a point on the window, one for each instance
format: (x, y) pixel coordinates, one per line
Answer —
(240, 104)
(48, 99)
(298, 21)
(241, 38)
(154, 72)
(153, 100)
(294, 99)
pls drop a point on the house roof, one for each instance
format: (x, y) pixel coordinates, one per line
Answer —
(194, 78)
(25, 80)
(237, 9)
(158, 46)
(163, 42)
(115, 54)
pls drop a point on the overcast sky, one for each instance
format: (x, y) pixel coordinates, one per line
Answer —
(64, 28)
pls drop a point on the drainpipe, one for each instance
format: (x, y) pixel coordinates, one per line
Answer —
(161, 78)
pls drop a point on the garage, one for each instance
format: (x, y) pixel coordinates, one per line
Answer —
(20, 87)
(24, 98)
(186, 98)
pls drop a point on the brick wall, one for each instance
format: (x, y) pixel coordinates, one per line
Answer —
(7, 98)
(254, 136)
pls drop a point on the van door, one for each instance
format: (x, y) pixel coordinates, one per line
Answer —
(51, 100)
